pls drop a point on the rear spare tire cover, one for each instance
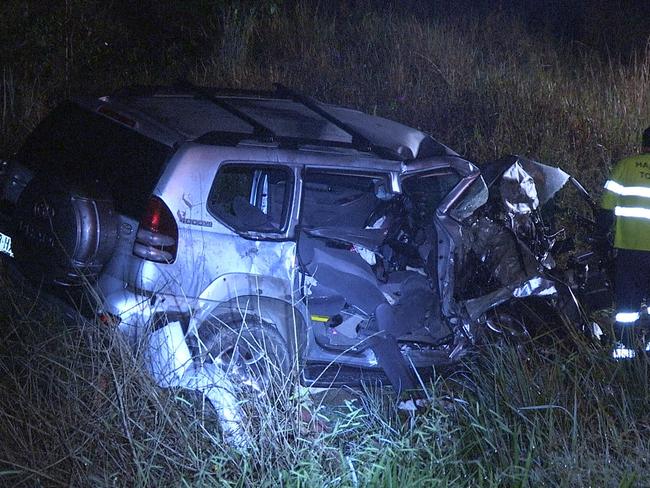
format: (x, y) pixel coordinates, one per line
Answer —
(65, 232)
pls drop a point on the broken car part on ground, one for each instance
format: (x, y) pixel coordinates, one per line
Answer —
(239, 234)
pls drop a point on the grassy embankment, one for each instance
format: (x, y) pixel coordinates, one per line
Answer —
(75, 408)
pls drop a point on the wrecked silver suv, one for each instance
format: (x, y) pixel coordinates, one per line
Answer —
(235, 233)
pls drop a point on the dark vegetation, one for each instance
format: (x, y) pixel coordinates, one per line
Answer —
(567, 84)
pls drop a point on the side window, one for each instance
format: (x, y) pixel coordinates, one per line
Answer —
(427, 191)
(337, 199)
(253, 198)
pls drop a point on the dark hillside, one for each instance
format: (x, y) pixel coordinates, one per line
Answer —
(617, 29)
(484, 78)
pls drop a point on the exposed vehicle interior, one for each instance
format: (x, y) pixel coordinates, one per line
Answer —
(370, 257)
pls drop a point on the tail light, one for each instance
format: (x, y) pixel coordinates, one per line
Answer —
(157, 237)
(109, 319)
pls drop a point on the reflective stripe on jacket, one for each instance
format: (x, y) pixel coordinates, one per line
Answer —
(627, 192)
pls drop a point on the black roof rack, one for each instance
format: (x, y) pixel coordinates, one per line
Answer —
(359, 141)
(262, 132)
(259, 130)
(190, 89)
(286, 142)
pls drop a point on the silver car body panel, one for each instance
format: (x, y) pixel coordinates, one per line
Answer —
(216, 264)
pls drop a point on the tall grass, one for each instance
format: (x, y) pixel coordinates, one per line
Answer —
(76, 408)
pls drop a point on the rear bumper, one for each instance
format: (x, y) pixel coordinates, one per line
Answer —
(133, 310)
(138, 311)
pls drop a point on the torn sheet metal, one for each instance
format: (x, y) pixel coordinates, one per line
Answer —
(506, 250)
(215, 385)
(495, 257)
(518, 190)
(548, 179)
(526, 185)
(476, 307)
(537, 286)
(168, 356)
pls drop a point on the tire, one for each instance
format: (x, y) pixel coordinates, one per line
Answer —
(535, 321)
(254, 355)
(65, 232)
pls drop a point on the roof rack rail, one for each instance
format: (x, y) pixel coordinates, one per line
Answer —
(359, 141)
(162, 90)
(242, 92)
(285, 142)
(137, 90)
(259, 129)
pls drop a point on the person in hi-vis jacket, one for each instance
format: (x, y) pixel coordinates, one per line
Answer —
(626, 204)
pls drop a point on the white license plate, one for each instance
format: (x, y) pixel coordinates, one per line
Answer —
(5, 244)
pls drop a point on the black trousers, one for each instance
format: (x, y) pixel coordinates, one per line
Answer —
(632, 279)
(632, 283)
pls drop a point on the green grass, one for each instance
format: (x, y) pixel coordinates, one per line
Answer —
(75, 407)
(77, 410)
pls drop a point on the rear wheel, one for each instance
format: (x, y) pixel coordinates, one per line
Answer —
(253, 354)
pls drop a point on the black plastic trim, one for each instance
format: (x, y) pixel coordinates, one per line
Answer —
(359, 141)
(259, 129)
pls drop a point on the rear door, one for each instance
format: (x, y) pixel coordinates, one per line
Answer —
(239, 240)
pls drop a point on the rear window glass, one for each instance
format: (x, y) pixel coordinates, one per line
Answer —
(87, 146)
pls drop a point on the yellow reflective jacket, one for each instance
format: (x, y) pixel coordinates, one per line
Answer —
(627, 193)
